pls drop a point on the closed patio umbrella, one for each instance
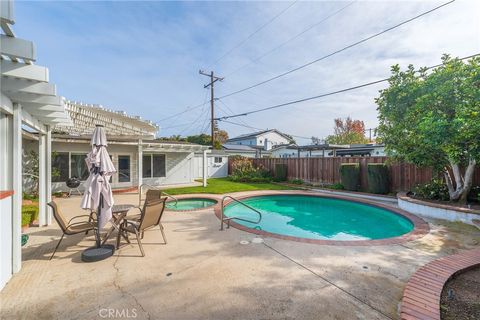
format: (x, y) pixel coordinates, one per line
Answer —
(98, 192)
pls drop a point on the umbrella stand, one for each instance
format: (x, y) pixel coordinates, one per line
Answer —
(98, 252)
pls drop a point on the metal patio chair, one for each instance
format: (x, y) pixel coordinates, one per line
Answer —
(69, 227)
(150, 217)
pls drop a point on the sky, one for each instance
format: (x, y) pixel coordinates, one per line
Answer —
(144, 57)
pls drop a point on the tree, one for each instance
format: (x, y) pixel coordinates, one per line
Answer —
(433, 119)
(347, 131)
(203, 139)
(221, 136)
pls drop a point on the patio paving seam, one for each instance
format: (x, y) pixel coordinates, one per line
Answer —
(328, 281)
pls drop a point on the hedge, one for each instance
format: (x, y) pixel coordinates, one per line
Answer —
(350, 176)
(378, 178)
(280, 172)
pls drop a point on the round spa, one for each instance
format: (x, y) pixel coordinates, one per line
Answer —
(321, 218)
(190, 204)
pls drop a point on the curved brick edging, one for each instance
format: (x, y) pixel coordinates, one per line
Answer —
(421, 297)
(420, 228)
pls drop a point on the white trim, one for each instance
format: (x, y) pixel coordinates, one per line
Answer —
(17, 48)
(42, 186)
(23, 71)
(48, 176)
(18, 188)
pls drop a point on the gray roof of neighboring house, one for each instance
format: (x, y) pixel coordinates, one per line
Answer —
(256, 134)
(239, 147)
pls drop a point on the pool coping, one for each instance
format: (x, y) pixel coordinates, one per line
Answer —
(207, 196)
(420, 227)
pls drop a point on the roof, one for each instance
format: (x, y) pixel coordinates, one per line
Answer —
(239, 147)
(256, 134)
(86, 116)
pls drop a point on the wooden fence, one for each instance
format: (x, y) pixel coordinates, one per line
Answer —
(403, 176)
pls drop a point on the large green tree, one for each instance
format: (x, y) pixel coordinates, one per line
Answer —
(432, 118)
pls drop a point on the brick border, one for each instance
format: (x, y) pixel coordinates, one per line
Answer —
(420, 227)
(6, 193)
(421, 296)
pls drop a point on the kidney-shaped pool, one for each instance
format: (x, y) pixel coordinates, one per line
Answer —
(324, 218)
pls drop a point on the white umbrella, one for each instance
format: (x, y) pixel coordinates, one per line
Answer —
(98, 195)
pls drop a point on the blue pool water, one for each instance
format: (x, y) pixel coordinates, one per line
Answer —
(190, 204)
(320, 218)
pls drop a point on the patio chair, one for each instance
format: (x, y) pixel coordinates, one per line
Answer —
(150, 216)
(69, 227)
(151, 194)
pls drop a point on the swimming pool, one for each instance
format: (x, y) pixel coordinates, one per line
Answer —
(321, 218)
(190, 204)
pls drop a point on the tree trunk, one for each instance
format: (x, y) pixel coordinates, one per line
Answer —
(463, 184)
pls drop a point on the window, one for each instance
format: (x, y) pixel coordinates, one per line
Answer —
(78, 167)
(158, 165)
(59, 166)
(218, 160)
(154, 166)
(147, 166)
(123, 168)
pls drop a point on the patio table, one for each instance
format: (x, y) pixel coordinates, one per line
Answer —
(119, 212)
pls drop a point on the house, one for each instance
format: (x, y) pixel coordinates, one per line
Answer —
(363, 150)
(217, 164)
(245, 151)
(265, 140)
(137, 155)
(314, 150)
(27, 100)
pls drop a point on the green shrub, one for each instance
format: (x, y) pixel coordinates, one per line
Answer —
(474, 194)
(335, 186)
(29, 214)
(350, 176)
(280, 172)
(436, 189)
(296, 181)
(378, 178)
(244, 171)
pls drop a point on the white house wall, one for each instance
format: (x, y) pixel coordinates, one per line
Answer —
(214, 170)
(178, 164)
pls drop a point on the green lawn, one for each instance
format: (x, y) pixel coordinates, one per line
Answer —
(224, 185)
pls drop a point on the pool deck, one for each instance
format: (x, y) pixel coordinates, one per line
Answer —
(203, 273)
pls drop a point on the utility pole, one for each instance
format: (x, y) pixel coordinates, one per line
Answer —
(213, 79)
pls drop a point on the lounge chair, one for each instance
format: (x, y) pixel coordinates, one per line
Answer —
(69, 227)
(150, 216)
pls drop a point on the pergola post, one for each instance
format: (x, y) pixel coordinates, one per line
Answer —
(48, 172)
(42, 175)
(140, 164)
(18, 188)
(204, 171)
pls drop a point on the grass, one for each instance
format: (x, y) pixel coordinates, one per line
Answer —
(29, 214)
(224, 185)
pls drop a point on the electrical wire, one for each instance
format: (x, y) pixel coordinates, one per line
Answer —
(327, 94)
(338, 51)
(260, 57)
(253, 33)
(260, 129)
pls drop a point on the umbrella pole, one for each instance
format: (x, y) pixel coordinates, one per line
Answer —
(99, 251)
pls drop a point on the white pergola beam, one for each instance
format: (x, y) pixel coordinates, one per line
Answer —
(48, 171)
(10, 84)
(31, 121)
(17, 48)
(23, 71)
(6, 11)
(42, 176)
(34, 99)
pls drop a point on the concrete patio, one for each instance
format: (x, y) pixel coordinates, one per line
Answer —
(203, 273)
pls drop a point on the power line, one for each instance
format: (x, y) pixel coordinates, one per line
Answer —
(338, 51)
(326, 94)
(250, 127)
(253, 33)
(184, 111)
(291, 39)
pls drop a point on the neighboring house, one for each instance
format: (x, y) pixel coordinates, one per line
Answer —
(138, 157)
(266, 139)
(245, 151)
(328, 150)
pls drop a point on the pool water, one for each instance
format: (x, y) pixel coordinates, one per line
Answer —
(320, 218)
(190, 204)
